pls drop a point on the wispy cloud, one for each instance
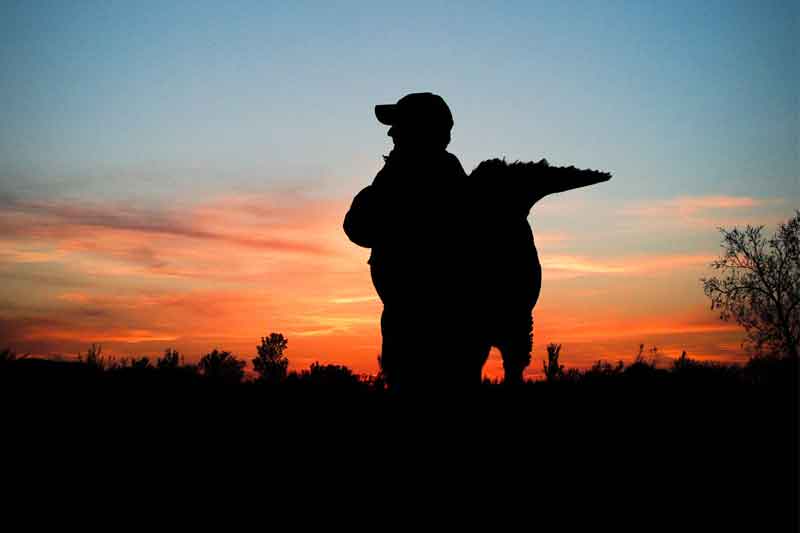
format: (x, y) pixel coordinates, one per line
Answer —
(561, 266)
(355, 300)
(79, 329)
(689, 205)
(16, 252)
(552, 237)
(229, 238)
(706, 211)
(580, 265)
(639, 329)
(58, 220)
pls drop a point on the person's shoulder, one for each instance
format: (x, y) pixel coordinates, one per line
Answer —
(390, 166)
(453, 162)
(451, 157)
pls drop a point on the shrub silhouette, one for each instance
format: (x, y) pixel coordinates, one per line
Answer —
(94, 358)
(552, 370)
(687, 371)
(773, 370)
(270, 364)
(142, 363)
(8, 356)
(329, 376)
(169, 361)
(643, 368)
(603, 371)
(222, 367)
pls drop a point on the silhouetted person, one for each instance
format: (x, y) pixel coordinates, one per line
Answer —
(511, 278)
(415, 217)
(453, 256)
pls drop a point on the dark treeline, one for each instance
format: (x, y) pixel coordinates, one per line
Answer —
(270, 370)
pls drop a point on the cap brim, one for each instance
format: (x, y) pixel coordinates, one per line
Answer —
(386, 113)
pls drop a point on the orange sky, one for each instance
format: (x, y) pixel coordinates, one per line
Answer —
(223, 272)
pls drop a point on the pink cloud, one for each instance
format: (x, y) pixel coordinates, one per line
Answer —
(690, 205)
(566, 266)
(707, 211)
(81, 224)
(355, 299)
(559, 237)
(235, 239)
(13, 252)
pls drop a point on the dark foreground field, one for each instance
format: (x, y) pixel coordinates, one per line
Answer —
(701, 447)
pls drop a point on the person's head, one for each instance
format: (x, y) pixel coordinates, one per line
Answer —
(419, 121)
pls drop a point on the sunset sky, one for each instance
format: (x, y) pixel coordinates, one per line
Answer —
(175, 174)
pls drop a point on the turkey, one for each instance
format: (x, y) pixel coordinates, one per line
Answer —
(505, 193)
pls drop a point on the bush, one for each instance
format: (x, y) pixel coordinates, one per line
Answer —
(222, 367)
(329, 376)
(169, 361)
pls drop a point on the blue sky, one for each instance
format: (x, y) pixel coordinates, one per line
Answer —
(158, 99)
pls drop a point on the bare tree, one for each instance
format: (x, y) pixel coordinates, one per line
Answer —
(759, 286)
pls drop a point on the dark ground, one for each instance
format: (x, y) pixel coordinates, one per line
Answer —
(698, 451)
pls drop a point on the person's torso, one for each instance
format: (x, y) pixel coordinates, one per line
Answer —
(425, 229)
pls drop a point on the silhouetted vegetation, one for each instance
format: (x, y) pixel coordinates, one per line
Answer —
(553, 370)
(222, 367)
(270, 369)
(94, 358)
(760, 286)
(141, 363)
(169, 361)
(8, 356)
(328, 376)
(270, 364)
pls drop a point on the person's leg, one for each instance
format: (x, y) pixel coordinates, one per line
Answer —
(391, 351)
(411, 349)
(516, 345)
(429, 349)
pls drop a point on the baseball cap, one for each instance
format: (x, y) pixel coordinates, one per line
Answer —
(426, 109)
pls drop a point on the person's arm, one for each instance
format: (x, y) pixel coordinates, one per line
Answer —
(361, 221)
(364, 221)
